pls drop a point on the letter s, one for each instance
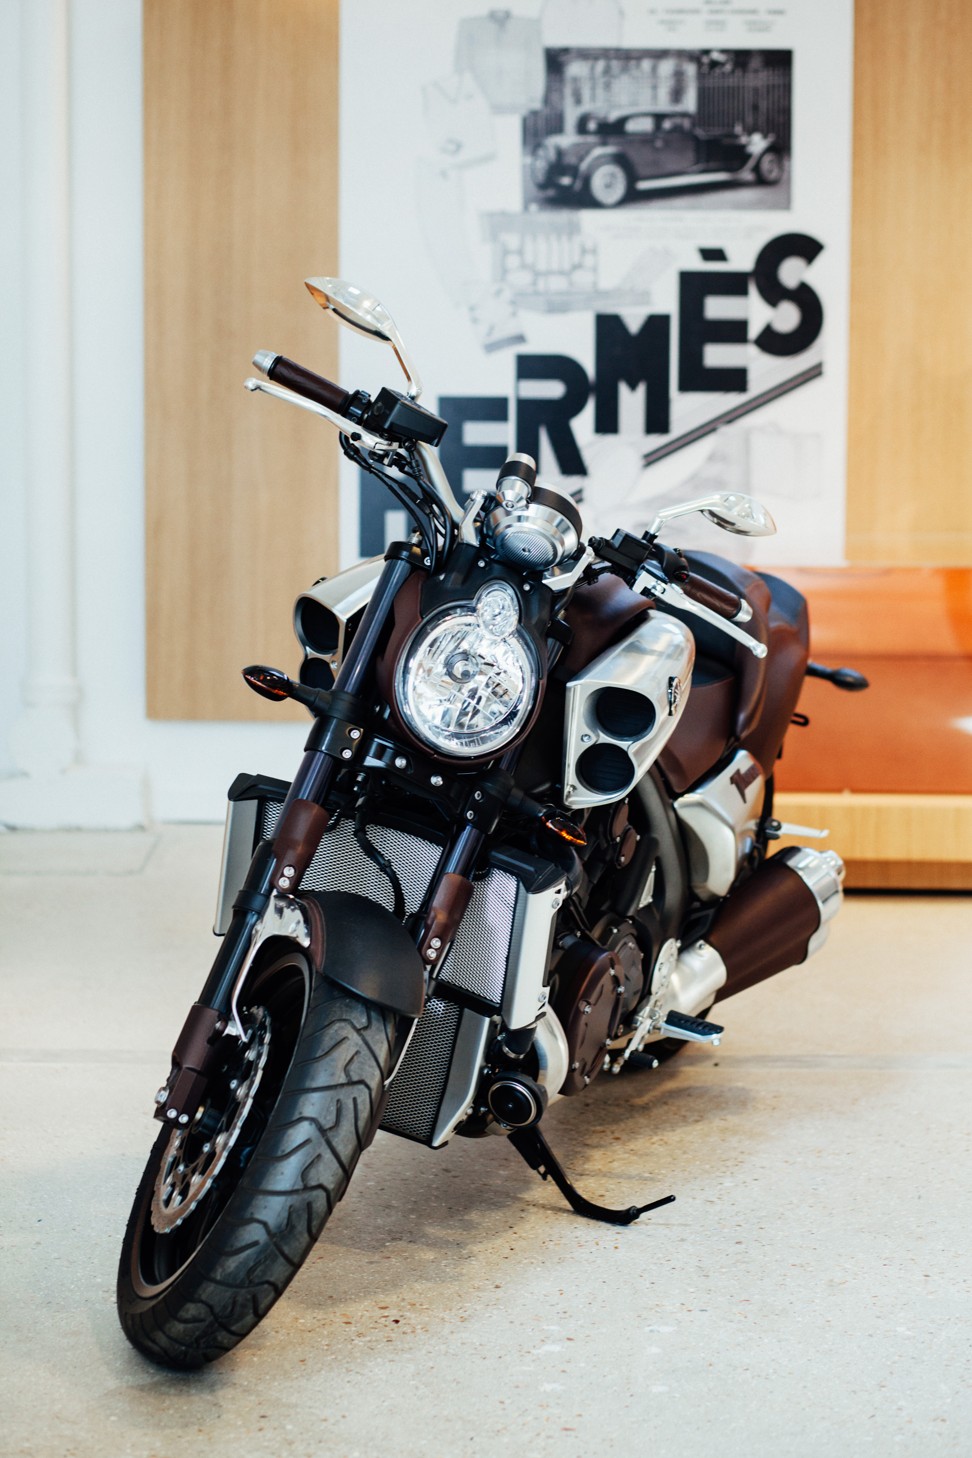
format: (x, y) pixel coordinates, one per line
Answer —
(767, 280)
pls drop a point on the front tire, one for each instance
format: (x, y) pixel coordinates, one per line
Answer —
(769, 168)
(609, 184)
(189, 1294)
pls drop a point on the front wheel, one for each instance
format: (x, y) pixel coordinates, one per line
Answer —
(608, 184)
(227, 1212)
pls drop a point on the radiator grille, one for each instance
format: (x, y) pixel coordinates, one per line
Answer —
(417, 1088)
(341, 865)
(477, 959)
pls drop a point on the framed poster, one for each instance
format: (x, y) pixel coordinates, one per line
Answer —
(616, 236)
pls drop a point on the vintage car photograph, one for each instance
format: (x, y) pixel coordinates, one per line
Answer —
(673, 128)
(611, 157)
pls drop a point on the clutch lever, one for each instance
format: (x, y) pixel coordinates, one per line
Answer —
(651, 583)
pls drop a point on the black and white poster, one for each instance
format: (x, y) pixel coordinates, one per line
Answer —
(616, 236)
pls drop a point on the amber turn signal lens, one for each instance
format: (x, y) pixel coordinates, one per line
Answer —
(565, 828)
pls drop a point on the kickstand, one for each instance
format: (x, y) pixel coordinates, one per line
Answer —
(531, 1145)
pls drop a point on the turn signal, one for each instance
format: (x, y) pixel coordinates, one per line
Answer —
(566, 829)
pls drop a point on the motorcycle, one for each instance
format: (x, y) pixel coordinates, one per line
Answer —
(528, 845)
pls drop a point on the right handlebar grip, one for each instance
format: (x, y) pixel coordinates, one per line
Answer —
(710, 595)
(314, 387)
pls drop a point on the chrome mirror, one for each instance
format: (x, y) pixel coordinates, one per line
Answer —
(366, 315)
(731, 510)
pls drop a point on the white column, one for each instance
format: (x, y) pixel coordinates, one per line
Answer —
(53, 789)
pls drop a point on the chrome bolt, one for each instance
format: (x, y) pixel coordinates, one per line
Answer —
(470, 815)
(478, 795)
(586, 738)
(586, 1009)
(354, 733)
(207, 1147)
(171, 1113)
(431, 954)
(284, 882)
(345, 753)
(290, 871)
(436, 780)
(401, 762)
(160, 1096)
(527, 587)
(234, 1083)
(481, 563)
(574, 1066)
(427, 561)
(436, 942)
(183, 1118)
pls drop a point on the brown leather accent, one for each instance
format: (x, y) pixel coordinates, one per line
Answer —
(709, 594)
(786, 665)
(305, 382)
(406, 615)
(296, 841)
(598, 615)
(446, 910)
(702, 733)
(764, 926)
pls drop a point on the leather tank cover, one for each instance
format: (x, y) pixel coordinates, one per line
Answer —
(599, 615)
(359, 945)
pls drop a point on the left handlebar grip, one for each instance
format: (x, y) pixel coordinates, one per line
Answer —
(716, 599)
(292, 376)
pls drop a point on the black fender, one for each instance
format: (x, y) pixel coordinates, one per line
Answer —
(358, 944)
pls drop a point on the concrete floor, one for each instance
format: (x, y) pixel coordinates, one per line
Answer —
(807, 1294)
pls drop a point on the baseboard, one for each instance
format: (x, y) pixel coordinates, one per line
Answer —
(913, 842)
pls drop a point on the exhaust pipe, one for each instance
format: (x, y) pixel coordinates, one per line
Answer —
(776, 919)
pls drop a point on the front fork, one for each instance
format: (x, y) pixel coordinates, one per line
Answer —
(277, 866)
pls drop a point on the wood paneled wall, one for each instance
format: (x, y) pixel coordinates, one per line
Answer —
(241, 157)
(909, 487)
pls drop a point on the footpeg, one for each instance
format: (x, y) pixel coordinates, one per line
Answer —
(531, 1146)
(693, 1030)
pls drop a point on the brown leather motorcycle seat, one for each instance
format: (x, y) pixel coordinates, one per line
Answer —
(750, 702)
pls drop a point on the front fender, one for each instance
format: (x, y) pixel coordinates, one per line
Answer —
(359, 945)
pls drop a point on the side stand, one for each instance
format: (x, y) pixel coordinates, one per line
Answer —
(531, 1146)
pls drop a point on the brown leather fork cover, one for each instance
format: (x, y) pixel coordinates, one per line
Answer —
(296, 842)
(764, 927)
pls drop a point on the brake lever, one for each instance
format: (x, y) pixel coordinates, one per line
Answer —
(648, 582)
(355, 432)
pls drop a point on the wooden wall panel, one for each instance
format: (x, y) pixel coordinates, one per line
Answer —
(910, 434)
(240, 206)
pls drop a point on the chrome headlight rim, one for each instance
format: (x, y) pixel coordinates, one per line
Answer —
(494, 739)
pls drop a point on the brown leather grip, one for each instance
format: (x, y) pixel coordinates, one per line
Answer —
(717, 599)
(314, 387)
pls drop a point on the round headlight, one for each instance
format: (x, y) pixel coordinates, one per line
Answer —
(467, 681)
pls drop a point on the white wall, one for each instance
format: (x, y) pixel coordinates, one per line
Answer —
(186, 767)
